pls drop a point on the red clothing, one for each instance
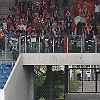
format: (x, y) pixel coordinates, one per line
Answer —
(88, 19)
(9, 23)
(45, 1)
(45, 11)
(35, 21)
(17, 11)
(15, 35)
(64, 25)
(65, 44)
(53, 6)
(98, 43)
(29, 29)
(1, 35)
(32, 35)
(87, 30)
(74, 27)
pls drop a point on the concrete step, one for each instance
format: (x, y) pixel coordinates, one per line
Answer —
(7, 1)
(4, 6)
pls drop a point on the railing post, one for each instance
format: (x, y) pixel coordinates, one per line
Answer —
(39, 44)
(66, 80)
(5, 49)
(19, 44)
(81, 44)
(67, 45)
(53, 45)
(25, 42)
(95, 44)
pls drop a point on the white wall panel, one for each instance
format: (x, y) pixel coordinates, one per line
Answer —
(17, 87)
(61, 59)
(2, 96)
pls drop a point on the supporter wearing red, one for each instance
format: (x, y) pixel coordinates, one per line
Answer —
(88, 18)
(15, 23)
(28, 13)
(44, 12)
(21, 27)
(87, 29)
(65, 46)
(74, 28)
(40, 19)
(29, 28)
(47, 17)
(45, 2)
(53, 7)
(66, 9)
(35, 19)
(67, 14)
(9, 22)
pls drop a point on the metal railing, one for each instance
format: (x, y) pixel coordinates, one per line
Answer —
(51, 44)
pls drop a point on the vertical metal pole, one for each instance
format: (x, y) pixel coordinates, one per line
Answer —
(96, 74)
(95, 80)
(50, 82)
(25, 43)
(5, 49)
(19, 44)
(95, 44)
(82, 79)
(53, 45)
(39, 44)
(32, 83)
(66, 79)
(92, 73)
(81, 45)
(67, 44)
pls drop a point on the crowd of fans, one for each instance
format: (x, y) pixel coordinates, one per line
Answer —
(43, 19)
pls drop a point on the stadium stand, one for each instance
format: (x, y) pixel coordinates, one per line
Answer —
(46, 26)
(5, 70)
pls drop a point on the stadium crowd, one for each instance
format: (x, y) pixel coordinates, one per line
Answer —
(43, 19)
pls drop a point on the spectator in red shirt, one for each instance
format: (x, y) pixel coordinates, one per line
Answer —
(53, 7)
(74, 29)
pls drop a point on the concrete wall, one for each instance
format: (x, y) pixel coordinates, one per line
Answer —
(61, 58)
(2, 95)
(17, 86)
